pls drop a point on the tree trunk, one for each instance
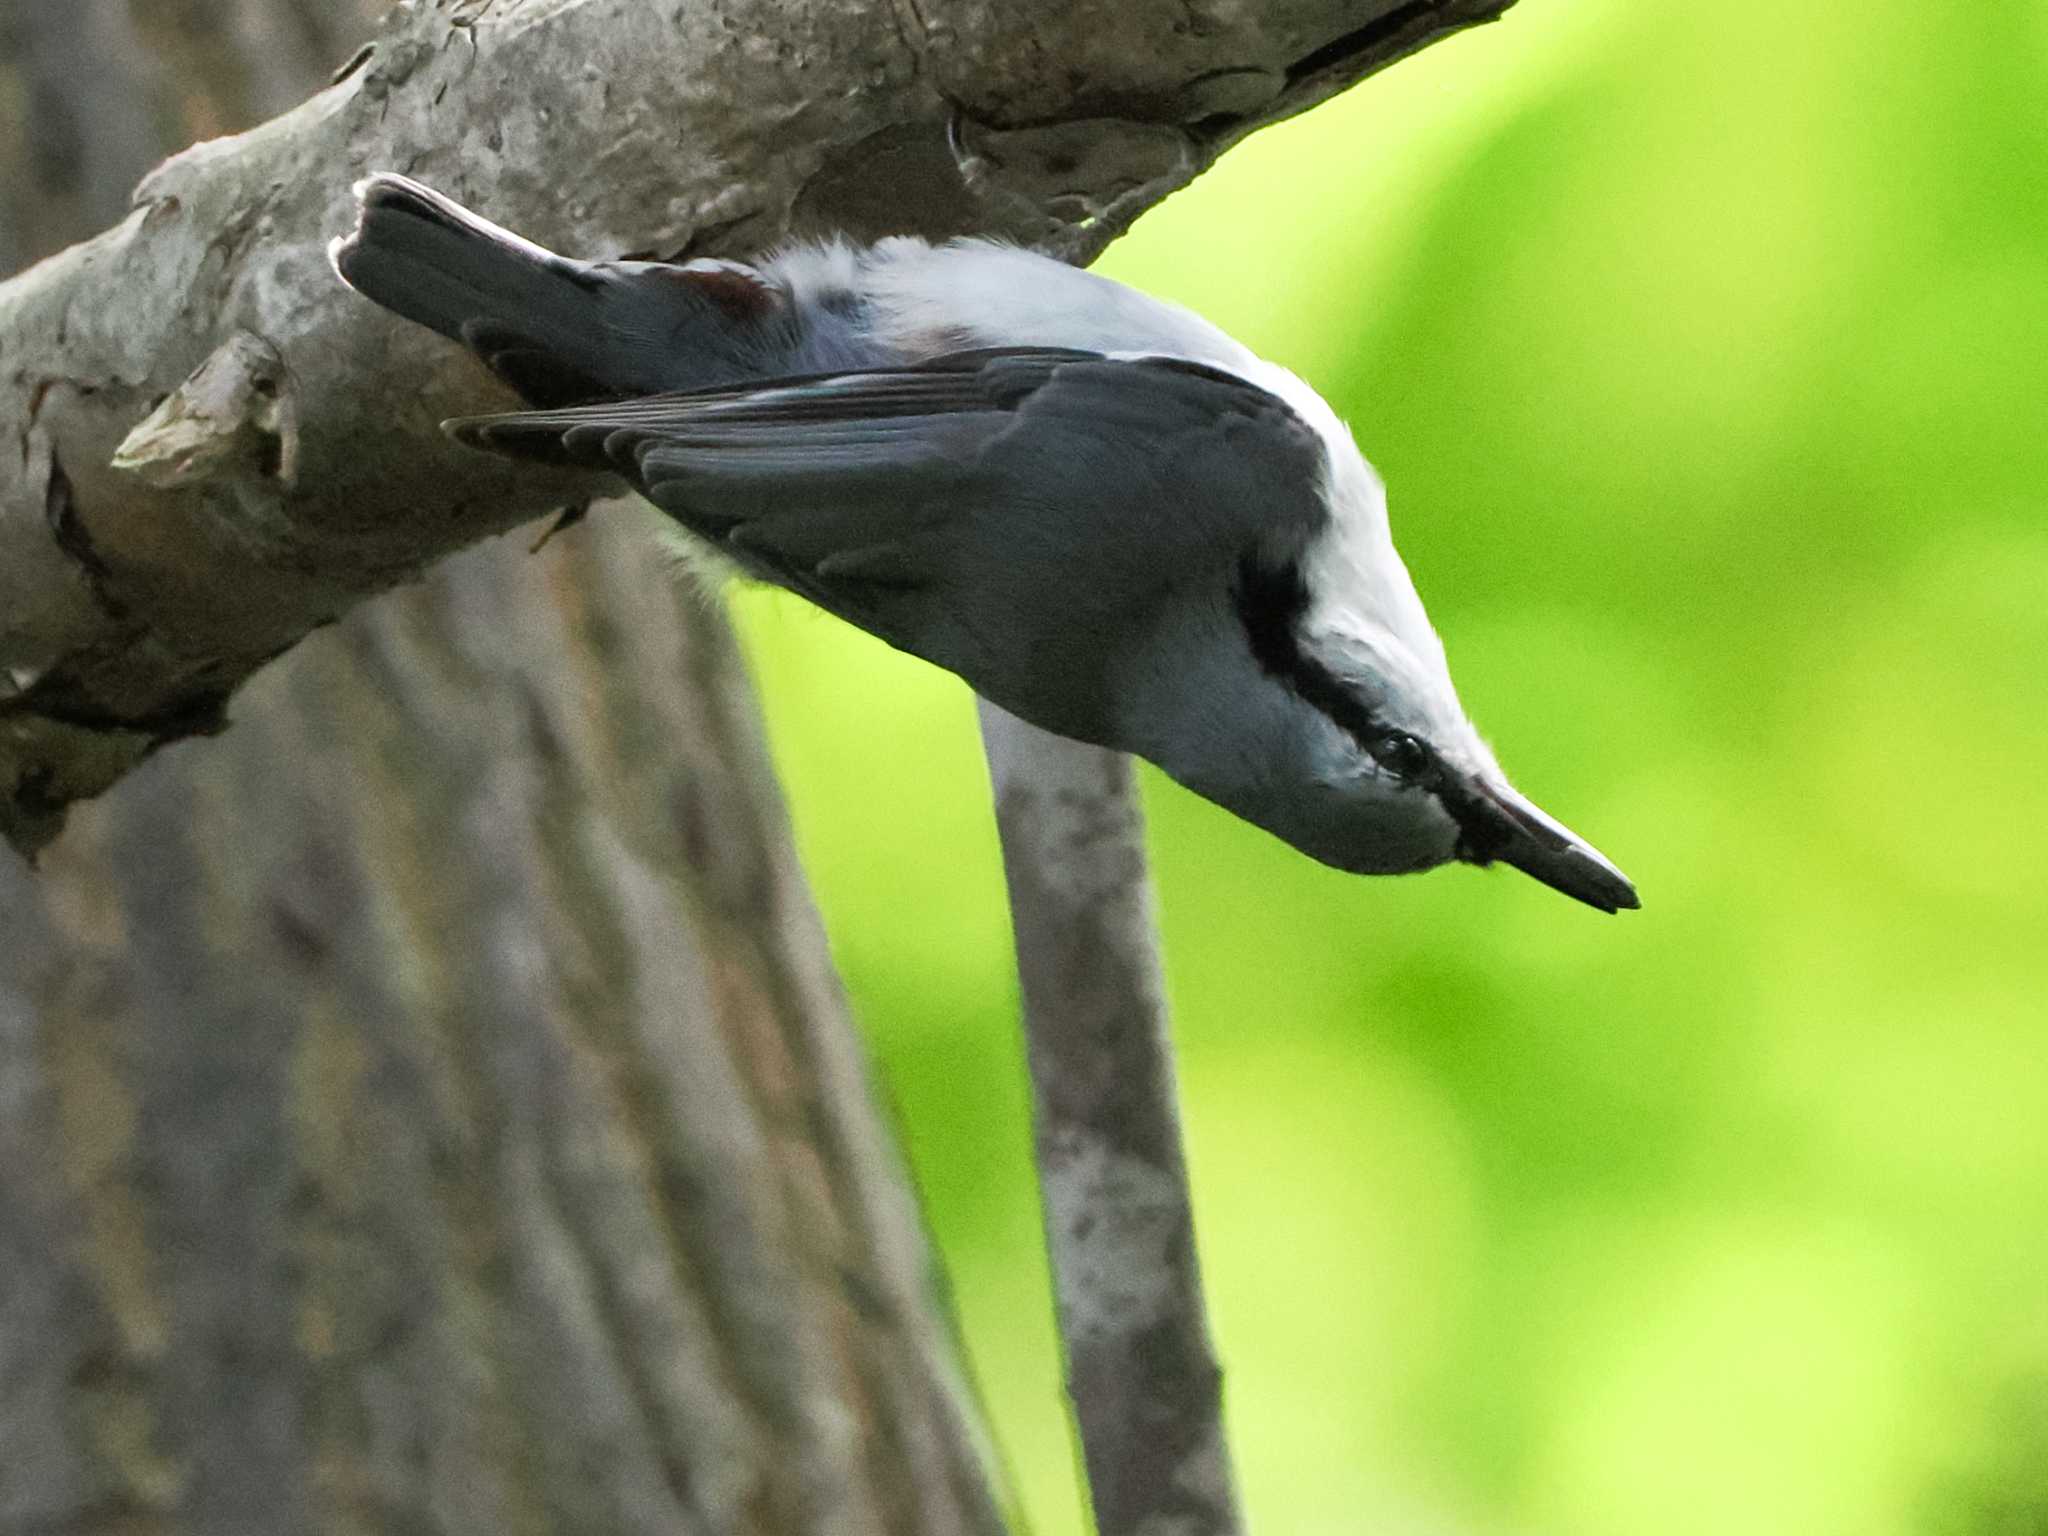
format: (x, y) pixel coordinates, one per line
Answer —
(428, 1107)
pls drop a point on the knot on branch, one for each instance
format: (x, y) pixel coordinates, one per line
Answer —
(1074, 185)
(231, 420)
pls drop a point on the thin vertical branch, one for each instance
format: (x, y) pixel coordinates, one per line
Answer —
(1146, 1390)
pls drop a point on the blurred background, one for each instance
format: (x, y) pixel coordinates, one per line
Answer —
(1705, 353)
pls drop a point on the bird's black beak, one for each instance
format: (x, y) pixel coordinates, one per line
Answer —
(1500, 824)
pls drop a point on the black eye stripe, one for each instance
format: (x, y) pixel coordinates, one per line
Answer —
(1270, 603)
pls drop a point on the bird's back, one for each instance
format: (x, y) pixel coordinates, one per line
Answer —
(922, 300)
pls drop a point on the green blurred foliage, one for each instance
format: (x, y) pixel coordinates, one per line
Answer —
(1705, 351)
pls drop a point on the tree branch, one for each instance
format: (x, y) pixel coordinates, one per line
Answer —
(1119, 1227)
(135, 599)
(211, 462)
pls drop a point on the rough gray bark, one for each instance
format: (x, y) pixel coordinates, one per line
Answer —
(1119, 1225)
(430, 1108)
(135, 599)
(427, 1107)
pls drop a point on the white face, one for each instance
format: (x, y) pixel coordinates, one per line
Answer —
(1354, 750)
(1269, 740)
(1401, 682)
(1363, 819)
(1386, 732)
(1410, 784)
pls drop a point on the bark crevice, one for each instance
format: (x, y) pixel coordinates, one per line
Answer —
(429, 1106)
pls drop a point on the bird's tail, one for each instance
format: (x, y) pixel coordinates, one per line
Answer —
(537, 319)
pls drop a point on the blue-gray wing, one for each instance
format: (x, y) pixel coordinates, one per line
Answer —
(1014, 515)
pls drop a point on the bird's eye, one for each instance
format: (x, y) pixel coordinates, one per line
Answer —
(1401, 755)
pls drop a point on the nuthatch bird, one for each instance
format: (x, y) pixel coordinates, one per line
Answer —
(1096, 508)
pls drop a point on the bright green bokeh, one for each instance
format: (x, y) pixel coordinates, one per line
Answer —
(1705, 350)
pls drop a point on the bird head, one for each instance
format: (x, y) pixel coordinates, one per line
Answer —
(1397, 777)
